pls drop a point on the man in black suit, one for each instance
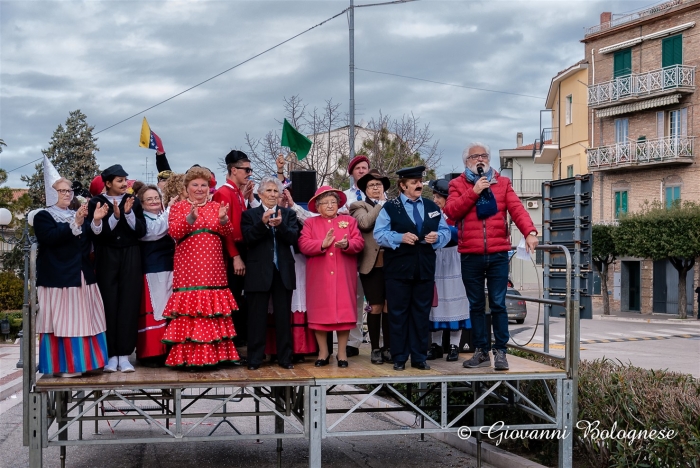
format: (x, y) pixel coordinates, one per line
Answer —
(269, 232)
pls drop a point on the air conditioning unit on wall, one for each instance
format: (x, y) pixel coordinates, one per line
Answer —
(532, 204)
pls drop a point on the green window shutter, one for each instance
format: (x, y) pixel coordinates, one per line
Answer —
(672, 51)
(620, 203)
(672, 194)
(622, 63)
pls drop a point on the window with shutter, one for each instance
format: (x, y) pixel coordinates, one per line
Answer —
(660, 127)
(622, 63)
(672, 51)
(620, 203)
(672, 194)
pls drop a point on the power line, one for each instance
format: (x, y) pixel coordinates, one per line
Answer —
(225, 71)
(20, 167)
(384, 3)
(449, 84)
(211, 78)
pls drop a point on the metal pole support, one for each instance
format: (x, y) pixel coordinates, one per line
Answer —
(37, 406)
(566, 408)
(313, 422)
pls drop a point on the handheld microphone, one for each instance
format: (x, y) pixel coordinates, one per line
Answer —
(480, 171)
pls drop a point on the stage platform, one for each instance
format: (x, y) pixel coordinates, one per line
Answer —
(360, 371)
(307, 402)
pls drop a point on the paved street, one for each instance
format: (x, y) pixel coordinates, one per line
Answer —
(663, 344)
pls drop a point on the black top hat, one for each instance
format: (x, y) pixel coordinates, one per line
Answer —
(440, 186)
(235, 156)
(411, 172)
(113, 171)
(373, 174)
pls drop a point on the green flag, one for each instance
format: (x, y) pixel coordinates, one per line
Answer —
(295, 140)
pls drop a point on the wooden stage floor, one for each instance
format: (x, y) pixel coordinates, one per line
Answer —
(360, 371)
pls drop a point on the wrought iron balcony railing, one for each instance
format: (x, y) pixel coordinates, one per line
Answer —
(669, 149)
(675, 77)
(617, 20)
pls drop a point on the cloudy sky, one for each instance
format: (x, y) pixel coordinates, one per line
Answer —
(113, 59)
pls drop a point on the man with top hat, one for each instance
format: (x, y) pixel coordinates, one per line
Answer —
(235, 192)
(410, 228)
(118, 264)
(357, 168)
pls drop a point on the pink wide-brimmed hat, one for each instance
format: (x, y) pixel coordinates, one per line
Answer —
(326, 189)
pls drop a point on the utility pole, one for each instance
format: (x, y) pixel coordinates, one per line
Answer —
(351, 27)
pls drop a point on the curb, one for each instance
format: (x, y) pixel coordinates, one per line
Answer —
(691, 322)
(10, 388)
(490, 454)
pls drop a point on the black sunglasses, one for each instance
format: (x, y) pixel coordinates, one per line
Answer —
(247, 170)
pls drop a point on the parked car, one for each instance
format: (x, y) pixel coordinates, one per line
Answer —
(517, 308)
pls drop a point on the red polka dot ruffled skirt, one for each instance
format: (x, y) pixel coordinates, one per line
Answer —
(201, 329)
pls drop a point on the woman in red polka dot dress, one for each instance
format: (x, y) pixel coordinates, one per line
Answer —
(201, 329)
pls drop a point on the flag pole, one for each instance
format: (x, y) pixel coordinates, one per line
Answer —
(351, 28)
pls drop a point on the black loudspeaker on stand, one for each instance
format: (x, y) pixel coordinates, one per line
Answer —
(303, 185)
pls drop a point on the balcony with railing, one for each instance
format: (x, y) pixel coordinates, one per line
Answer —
(673, 79)
(640, 154)
(620, 19)
(546, 148)
(528, 187)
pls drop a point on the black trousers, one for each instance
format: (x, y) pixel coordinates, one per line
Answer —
(408, 304)
(240, 316)
(258, 303)
(120, 279)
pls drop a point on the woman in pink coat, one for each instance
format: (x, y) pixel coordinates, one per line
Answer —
(331, 242)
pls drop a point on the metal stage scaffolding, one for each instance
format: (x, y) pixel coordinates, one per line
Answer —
(306, 402)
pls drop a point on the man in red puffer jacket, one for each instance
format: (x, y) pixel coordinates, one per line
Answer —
(477, 202)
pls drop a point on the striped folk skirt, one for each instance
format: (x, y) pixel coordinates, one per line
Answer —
(71, 326)
(71, 354)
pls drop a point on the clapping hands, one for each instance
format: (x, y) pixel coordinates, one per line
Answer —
(328, 240)
(80, 215)
(101, 210)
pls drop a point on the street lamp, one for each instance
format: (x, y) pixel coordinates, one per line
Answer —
(26, 241)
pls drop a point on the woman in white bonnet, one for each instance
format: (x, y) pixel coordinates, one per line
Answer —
(71, 320)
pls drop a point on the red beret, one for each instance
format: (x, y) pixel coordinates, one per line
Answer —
(357, 160)
(96, 186)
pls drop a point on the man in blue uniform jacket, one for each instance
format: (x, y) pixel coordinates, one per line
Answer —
(410, 228)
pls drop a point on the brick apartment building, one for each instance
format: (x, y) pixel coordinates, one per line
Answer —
(642, 130)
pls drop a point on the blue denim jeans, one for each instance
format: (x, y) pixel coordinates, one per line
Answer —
(493, 268)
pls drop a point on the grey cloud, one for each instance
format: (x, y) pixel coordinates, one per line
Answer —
(113, 59)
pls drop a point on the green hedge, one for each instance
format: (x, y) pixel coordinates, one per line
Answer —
(11, 291)
(636, 399)
(15, 318)
(617, 395)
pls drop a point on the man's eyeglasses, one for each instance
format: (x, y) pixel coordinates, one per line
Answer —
(247, 170)
(474, 157)
(64, 191)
